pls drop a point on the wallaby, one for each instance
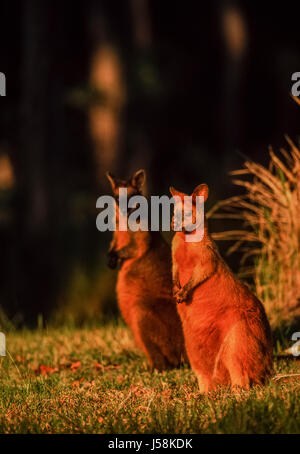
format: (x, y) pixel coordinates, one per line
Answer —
(226, 330)
(144, 285)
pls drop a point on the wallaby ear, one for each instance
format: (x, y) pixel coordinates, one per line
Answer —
(138, 179)
(174, 192)
(112, 179)
(202, 189)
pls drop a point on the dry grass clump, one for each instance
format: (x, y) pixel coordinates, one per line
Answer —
(270, 235)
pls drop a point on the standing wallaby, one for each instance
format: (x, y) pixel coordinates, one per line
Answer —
(226, 330)
(144, 286)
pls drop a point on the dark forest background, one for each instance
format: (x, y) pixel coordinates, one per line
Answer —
(186, 90)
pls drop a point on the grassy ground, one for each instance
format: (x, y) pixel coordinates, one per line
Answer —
(97, 381)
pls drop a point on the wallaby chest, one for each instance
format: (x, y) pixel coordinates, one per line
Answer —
(186, 255)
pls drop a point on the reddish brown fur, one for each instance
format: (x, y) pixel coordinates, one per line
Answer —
(227, 333)
(144, 288)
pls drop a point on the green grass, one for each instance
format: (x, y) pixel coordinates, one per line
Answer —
(100, 383)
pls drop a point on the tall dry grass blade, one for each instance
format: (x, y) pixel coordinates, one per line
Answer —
(269, 213)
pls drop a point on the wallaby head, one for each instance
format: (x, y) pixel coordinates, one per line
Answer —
(121, 247)
(200, 190)
(187, 205)
(133, 185)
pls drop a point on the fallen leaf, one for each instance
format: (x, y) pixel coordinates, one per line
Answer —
(44, 370)
(75, 366)
(19, 359)
(77, 383)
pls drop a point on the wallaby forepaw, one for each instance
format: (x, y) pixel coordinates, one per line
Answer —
(175, 291)
(181, 296)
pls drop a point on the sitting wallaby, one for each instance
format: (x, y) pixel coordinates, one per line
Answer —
(226, 330)
(144, 285)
